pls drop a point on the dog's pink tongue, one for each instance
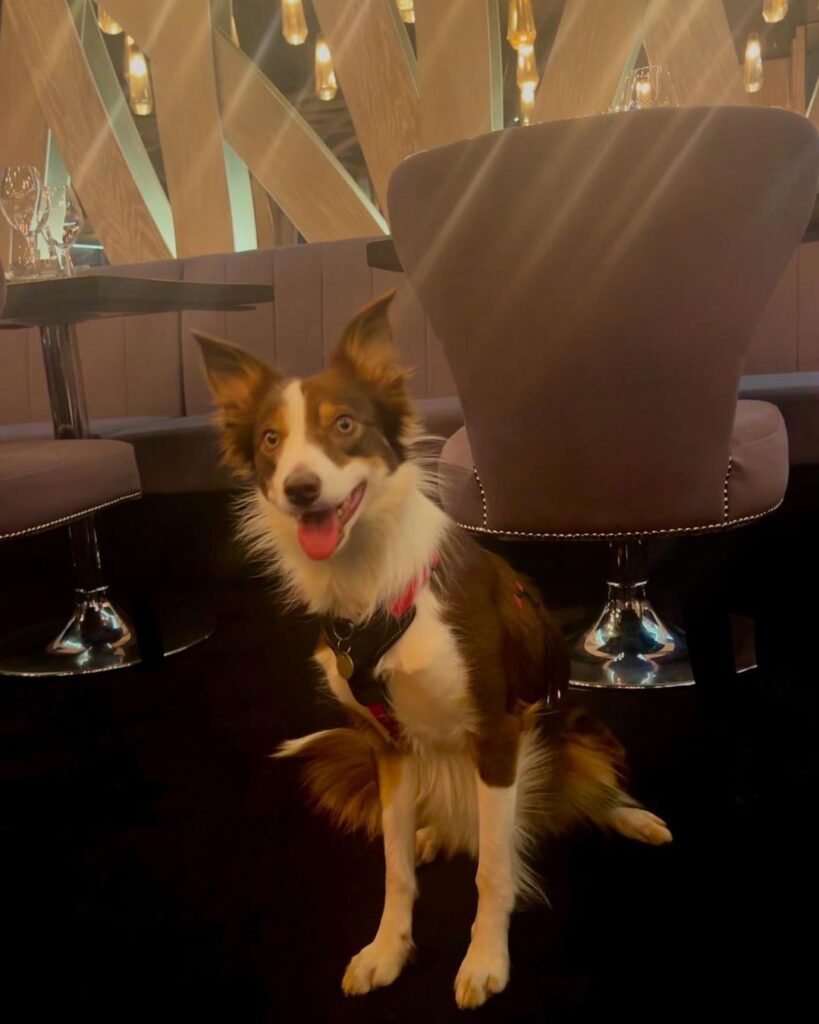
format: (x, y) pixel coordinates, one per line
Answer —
(319, 534)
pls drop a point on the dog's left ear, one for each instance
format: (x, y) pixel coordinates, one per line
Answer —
(366, 347)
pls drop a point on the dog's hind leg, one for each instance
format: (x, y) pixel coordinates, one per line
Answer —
(593, 758)
(381, 961)
(640, 824)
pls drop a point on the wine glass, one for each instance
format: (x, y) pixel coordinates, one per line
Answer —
(65, 221)
(650, 86)
(20, 203)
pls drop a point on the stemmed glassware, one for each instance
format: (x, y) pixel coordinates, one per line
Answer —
(64, 223)
(650, 86)
(22, 206)
(34, 209)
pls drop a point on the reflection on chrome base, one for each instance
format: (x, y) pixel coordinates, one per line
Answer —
(629, 646)
(97, 638)
(96, 625)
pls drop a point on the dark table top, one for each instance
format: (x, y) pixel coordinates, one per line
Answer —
(72, 300)
(382, 254)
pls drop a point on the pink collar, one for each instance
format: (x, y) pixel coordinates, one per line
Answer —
(402, 604)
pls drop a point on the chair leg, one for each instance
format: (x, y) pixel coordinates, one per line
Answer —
(629, 646)
(97, 637)
(96, 622)
(706, 614)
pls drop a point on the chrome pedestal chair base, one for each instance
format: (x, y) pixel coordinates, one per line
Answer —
(97, 638)
(629, 647)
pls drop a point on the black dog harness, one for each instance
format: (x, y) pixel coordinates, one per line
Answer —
(358, 649)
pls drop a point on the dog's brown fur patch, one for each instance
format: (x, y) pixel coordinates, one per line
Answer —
(332, 394)
(591, 772)
(514, 647)
(341, 776)
(240, 383)
(497, 751)
(366, 354)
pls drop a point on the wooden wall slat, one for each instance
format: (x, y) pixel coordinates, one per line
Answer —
(375, 67)
(24, 135)
(693, 41)
(286, 156)
(459, 69)
(51, 49)
(178, 40)
(594, 43)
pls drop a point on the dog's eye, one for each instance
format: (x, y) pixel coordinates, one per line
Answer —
(345, 424)
(270, 438)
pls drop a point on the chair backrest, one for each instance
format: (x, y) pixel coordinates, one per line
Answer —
(595, 284)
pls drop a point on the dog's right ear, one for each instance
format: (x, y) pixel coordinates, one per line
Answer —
(236, 377)
(237, 381)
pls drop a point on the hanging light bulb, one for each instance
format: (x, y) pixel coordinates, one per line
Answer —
(774, 10)
(527, 103)
(520, 27)
(406, 8)
(752, 77)
(326, 84)
(107, 23)
(527, 66)
(294, 24)
(140, 93)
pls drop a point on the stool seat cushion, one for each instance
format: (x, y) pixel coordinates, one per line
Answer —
(756, 476)
(45, 484)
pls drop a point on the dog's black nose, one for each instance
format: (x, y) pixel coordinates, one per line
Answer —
(302, 487)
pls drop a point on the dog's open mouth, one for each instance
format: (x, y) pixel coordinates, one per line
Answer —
(320, 532)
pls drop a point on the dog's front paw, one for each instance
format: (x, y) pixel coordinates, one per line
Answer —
(376, 965)
(483, 973)
(642, 825)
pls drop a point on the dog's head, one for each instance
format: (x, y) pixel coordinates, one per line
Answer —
(321, 450)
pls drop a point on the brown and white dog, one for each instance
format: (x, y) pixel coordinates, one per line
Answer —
(458, 755)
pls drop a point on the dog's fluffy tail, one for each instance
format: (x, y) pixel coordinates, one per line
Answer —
(341, 776)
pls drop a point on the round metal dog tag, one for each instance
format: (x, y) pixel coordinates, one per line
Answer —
(344, 665)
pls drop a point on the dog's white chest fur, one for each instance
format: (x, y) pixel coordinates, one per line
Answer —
(426, 677)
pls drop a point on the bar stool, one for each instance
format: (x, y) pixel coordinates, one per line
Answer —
(595, 283)
(47, 484)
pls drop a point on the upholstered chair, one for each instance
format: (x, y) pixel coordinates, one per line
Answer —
(595, 283)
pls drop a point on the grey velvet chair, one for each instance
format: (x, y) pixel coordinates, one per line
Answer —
(45, 484)
(595, 284)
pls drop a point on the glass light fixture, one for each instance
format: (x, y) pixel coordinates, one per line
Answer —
(406, 8)
(752, 76)
(294, 24)
(107, 23)
(140, 93)
(527, 66)
(527, 103)
(326, 84)
(520, 26)
(774, 10)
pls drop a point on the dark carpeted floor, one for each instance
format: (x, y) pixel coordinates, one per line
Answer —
(157, 865)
